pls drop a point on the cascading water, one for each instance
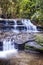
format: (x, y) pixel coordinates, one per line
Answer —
(24, 23)
(8, 49)
(8, 45)
(15, 25)
(29, 25)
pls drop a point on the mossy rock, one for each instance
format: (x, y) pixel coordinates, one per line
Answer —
(39, 39)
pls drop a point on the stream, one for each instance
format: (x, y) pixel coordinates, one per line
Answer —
(17, 35)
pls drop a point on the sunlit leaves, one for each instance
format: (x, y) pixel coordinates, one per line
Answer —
(32, 9)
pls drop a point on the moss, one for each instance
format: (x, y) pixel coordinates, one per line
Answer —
(39, 39)
(30, 48)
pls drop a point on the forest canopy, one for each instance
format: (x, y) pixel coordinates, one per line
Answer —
(31, 9)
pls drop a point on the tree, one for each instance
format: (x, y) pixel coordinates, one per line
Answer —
(8, 8)
(31, 9)
(38, 15)
(27, 8)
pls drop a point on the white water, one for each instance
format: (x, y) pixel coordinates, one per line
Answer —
(8, 47)
(29, 25)
(7, 44)
(8, 53)
(26, 22)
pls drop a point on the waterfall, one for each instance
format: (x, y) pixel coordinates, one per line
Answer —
(15, 25)
(30, 26)
(8, 44)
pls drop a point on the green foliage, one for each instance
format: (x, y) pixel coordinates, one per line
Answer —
(31, 9)
(18, 8)
(38, 14)
(27, 8)
(39, 39)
